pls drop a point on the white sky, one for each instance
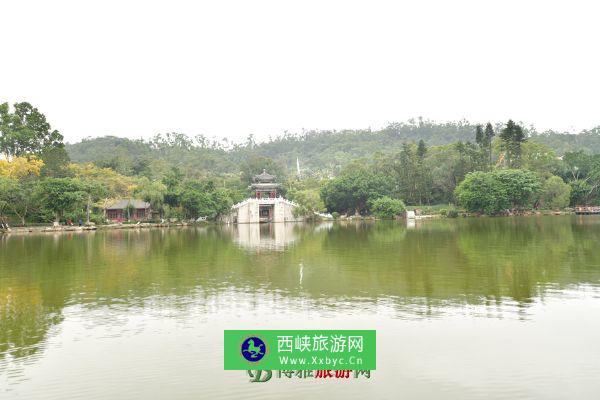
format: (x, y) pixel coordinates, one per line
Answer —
(230, 68)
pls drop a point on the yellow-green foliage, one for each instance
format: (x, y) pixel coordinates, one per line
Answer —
(20, 167)
(116, 184)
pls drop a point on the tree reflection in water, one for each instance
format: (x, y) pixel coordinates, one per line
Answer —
(437, 267)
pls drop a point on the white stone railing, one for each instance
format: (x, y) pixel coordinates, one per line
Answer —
(268, 200)
(290, 202)
(241, 203)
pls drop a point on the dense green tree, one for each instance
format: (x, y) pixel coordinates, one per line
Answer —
(152, 192)
(488, 139)
(224, 200)
(580, 165)
(423, 175)
(306, 193)
(18, 196)
(352, 190)
(204, 199)
(413, 179)
(61, 195)
(18, 183)
(95, 192)
(143, 166)
(479, 135)
(582, 193)
(3, 202)
(481, 192)
(421, 149)
(493, 192)
(582, 172)
(483, 139)
(120, 161)
(446, 167)
(519, 138)
(540, 159)
(521, 186)
(512, 136)
(385, 207)
(555, 193)
(26, 131)
(405, 166)
(468, 160)
(309, 202)
(56, 162)
(197, 200)
(173, 180)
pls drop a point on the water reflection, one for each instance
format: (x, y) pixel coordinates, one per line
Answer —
(270, 237)
(503, 265)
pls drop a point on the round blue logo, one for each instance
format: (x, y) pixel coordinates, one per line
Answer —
(253, 349)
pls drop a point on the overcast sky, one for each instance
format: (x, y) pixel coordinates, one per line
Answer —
(231, 68)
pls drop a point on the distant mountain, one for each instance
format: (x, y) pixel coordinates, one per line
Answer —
(316, 150)
(561, 143)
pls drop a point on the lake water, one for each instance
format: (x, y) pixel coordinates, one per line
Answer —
(495, 308)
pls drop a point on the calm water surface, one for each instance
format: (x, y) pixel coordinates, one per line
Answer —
(497, 308)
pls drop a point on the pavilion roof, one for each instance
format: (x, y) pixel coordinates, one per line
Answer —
(264, 177)
(265, 185)
(122, 204)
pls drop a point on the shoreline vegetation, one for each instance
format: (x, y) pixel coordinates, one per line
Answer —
(439, 169)
(87, 228)
(149, 225)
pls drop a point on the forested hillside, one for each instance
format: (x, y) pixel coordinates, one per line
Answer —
(561, 143)
(319, 152)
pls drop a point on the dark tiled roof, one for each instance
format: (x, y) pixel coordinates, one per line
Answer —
(122, 204)
(265, 185)
(264, 177)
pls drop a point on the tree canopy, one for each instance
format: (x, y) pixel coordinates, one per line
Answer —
(496, 191)
(354, 188)
(25, 131)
